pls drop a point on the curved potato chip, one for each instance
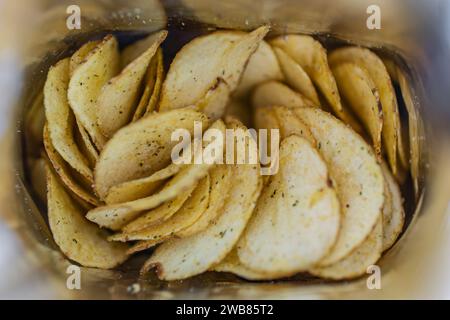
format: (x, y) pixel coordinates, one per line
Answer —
(414, 123)
(261, 67)
(140, 188)
(154, 98)
(220, 177)
(64, 173)
(80, 55)
(60, 120)
(99, 66)
(356, 264)
(85, 144)
(115, 216)
(355, 174)
(79, 239)
(377, 71)
(137, 48)
(215, 101)
(394, 221)
(153, 82)
(232, 264)
(274, 93)
(290, 124)
(198, 65)
(296, 220)
(186, 257)
(142, 148)
(391, 68)
(361, 94)
(296, 77)
(159, 214)
(312, 57)
(190, 211)
(120, 95)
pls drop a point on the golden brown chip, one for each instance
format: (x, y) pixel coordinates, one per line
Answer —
(312, 57)
(377, 71)
(356, 264)
(65, 174)
(275, 93)
(199, 65)
(60, 120)
(221, 176)
(190, 211)
(80, 55)
(119, 97)
(87, 81)
(262, 66)
(394, 220)
(296, 77)
(140, 188)
(361, 94)
(159, 214)
(79, 239)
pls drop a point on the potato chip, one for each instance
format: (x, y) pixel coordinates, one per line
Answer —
(394, 220)
(391, 68)
(414, 123)
(361, 94)
(220, 176)
(296, 77)
(100, 65)
(356, 264)
(119, 97)
(63, 170)
(154, 98)
(79, 239)
(117, 215)
(186, 257)
(232, 264)
(159, 214)
(80, 55)
(312, 57)
(198, 65)
(275, 93)
(290, 124)
(60, 120)
(86, 145)
(377, 71)
(262, 66)
(152, 88)
(189, 212)
(356, 177)
(215, 101)
(296, 220)
(140, 188)
(142, 148)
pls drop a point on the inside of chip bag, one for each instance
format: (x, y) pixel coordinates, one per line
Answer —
(140, 150)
